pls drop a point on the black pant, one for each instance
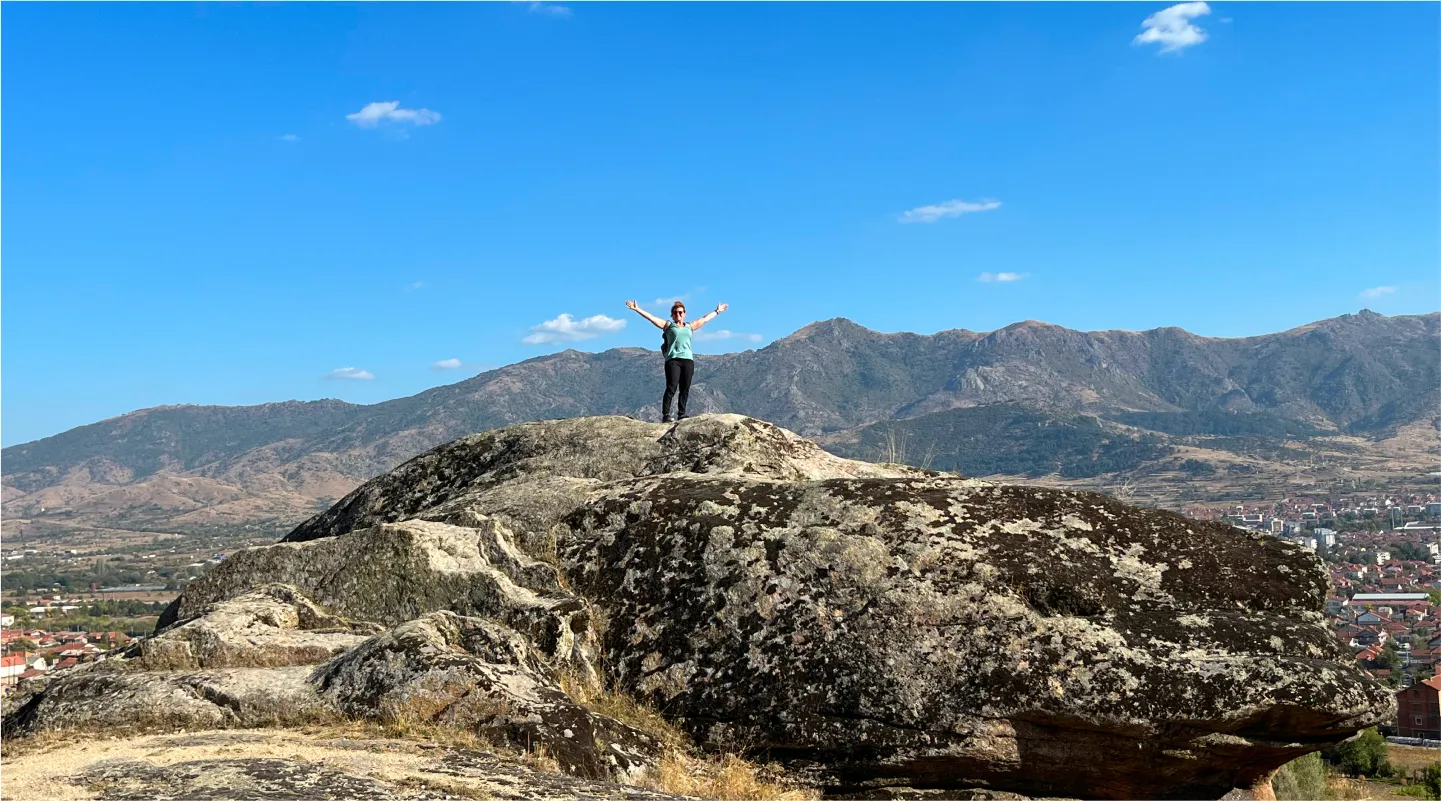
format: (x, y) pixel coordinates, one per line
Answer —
(678, 372)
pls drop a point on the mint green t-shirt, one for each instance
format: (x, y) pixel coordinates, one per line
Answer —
(675, 342)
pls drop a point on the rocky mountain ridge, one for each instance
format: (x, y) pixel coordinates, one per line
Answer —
(182, 466)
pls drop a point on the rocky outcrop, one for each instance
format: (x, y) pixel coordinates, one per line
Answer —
(392, 573)
(479, 676)
(873, 627)
(270, 626)
(531, 475)
(103, 696)
(304, 664)
(268, 765)
(911, 630)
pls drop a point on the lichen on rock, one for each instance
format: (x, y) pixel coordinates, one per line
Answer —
(873, 627)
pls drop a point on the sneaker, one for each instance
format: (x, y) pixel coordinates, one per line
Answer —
(666, 419)
(680, 417)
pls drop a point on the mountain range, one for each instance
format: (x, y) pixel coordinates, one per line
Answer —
(1029, 399)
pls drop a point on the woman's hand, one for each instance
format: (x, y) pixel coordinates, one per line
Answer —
(722, 308)
(654, 320)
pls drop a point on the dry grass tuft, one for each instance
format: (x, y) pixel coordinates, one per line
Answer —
(623, 707)
(727, 777)
(1343, 788)
(681, 770)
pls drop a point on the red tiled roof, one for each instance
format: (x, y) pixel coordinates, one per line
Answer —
(11, 661)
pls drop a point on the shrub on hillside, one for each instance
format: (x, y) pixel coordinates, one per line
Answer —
(1301, 779)
(1364, 755)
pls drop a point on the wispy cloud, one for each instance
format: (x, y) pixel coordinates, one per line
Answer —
(446, 364)
(413, 287)
(707, 335)
(376, 113)
(351, 374)
(549, 9)
(567, 329)
(665, 303)
(1002, 278)
(1172, 29)
(1377, 291)
(951, 208)
(289, 138)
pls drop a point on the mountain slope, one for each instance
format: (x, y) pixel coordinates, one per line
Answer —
(1358, 374)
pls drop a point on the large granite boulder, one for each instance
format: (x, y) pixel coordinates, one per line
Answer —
(479, 676)
(873, 626)
(270, 626)
(100, 697)
(273, 657)
(395, 572)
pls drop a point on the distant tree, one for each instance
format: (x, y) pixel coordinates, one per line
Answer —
(1196, 467)
(1435, 596)
(23, 644)
(1364, 755)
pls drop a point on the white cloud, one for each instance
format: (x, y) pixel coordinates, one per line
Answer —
(351, 373)
(1003, 278)
(373, 114)
(951, 208)
(446, 364)
(550, 9)
(707, 335)
(567, 329)
(664, 303)
(1171, 27)
(1378, 291)
(290, 138)
(415, 286)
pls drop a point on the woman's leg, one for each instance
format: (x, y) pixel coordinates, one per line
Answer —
(687, 370)
(672, 379)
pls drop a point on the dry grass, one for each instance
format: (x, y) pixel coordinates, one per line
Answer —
(1344, 788)
(625, 708)
(1408, 759)
(540, 761)
(727, 777)
(681, 769)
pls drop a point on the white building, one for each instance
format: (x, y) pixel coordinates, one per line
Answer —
(1364, 598)
(1382, 557)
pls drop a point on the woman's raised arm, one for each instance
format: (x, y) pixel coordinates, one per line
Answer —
(655, 321)
(695, 326)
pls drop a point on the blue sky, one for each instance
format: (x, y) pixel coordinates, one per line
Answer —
(228, 203)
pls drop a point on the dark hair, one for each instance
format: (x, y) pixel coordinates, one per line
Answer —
(676, 305)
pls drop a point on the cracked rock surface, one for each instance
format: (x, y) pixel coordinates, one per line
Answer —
(875, 627)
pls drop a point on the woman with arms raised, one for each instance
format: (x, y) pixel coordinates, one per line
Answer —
(675, 345)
